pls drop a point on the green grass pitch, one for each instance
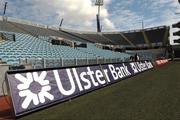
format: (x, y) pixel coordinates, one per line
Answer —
(152, 95)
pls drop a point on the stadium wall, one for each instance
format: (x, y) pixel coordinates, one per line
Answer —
(3, 87)
(4, 68)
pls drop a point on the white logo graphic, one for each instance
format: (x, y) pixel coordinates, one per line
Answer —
(38, 90)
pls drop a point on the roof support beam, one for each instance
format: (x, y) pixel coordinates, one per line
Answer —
(112, 42)
(165, 39)
(146, 39)
(129, 41)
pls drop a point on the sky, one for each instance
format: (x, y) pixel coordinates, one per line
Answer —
(116, 15)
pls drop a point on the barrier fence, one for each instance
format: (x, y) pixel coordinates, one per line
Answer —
(39, 63)
(31, 90)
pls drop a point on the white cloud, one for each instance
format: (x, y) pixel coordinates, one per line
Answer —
(108, 25)
(126, 19)
(1, 6)
(80, 13)
(152, 12)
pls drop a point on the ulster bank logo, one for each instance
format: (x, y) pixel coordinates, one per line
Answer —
(34, 88)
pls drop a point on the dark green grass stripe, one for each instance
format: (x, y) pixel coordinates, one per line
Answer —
(152, 95)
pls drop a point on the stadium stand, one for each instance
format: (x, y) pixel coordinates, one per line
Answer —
(117, 38)
(37, 31)
(27, 45)
(150, 54)
(97, 38)
(77, 34)
(158, 35)
(27, 42)
(135, 37)
(5, 26)
(34, 30)
(103, 53)
(37, 52)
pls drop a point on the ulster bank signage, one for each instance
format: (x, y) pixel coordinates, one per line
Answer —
(35, 89)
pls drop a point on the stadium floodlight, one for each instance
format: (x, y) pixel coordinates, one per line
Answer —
(176, 33)
(98, 3)
(5, 6)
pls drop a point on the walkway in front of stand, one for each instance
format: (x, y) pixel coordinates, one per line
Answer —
(5, 109)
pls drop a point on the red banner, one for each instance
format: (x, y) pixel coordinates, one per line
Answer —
(161, 62)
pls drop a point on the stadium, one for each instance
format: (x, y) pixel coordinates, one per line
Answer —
(49, 72)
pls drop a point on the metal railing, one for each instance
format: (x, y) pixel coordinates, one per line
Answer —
(39, 63)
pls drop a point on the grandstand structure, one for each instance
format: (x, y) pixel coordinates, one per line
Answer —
(42, 46)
